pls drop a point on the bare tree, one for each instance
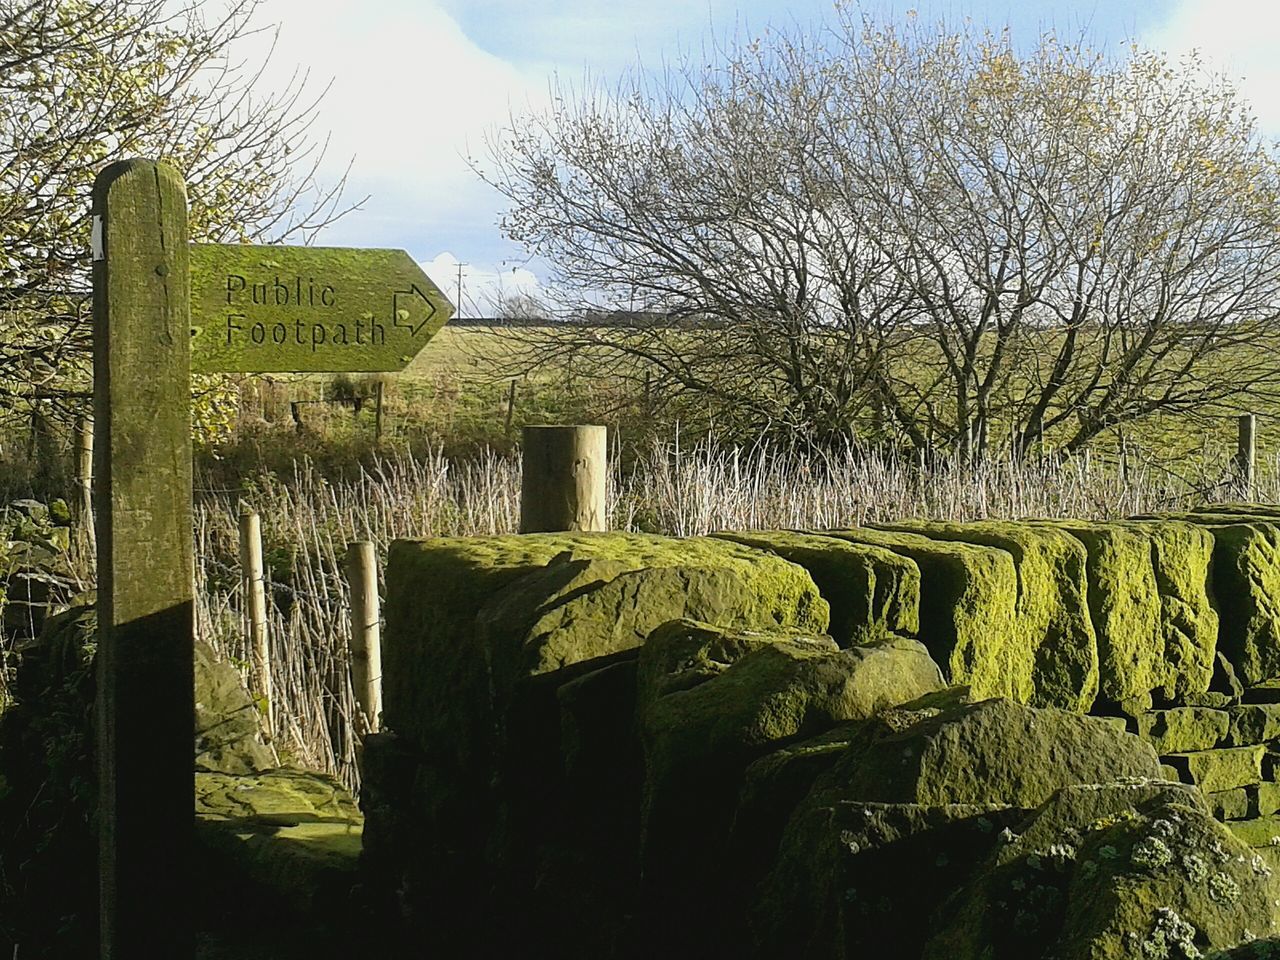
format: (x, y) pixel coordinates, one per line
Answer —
(911, 232)
(84, 83)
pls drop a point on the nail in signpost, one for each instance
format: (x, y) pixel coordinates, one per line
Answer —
(162, 308)
(260, 309)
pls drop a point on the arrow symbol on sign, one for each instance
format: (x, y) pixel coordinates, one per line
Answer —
(404, 302)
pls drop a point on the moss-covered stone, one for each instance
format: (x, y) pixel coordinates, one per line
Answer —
(1267, 799)
(280, 797)
(1182, 729)
(228, 734)
(863, 879)
(1169, 882)
(698, 740)
(873, 591)
(773, 786)
(1214, 699)
(968, 602)
(283, 839)
(1253, 723)
(1014, 906)
(1053, 626)
(588, 595)
(1235, 804)
(1223, 769)
(995, 751)
(1124, 606)
(1265, 511)
(1149, 599)
(1268, 949)
(1182, 557)
(1246, 584)
(1259, 831)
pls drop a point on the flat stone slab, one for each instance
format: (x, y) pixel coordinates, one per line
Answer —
(1258, 832)
(1185, 729)
(1253, 723)
(1268, 799)
(1216, 770)
(1234, 804)
(285, 841)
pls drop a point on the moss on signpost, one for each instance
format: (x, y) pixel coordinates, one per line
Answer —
(141, 315)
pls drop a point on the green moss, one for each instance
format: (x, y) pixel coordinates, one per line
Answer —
(1231, 804)
(701, 728)
(968, 598)
(1258, 831)
(1268, 798)
(1171, 882)
(1184, 729)
(437, 672)
(279, 797)
(1052, 627)
(1253, 723)
(1224, 769)
(1246, 576)
(283, 839)
(1182, 555)
(1013, 909)
(857, 880)
(994, 751)
(1246, 587)
(1124, 606)
(873, 591)
(1265, 511)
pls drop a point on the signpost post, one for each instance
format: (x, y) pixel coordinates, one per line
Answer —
(161, 309)
(142, 476)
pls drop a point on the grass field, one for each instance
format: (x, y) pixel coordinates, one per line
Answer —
(457, 396)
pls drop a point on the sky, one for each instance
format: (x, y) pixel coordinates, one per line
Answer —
(414, 86)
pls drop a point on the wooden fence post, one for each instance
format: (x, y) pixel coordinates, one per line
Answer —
(145, 695)
(1246, 452)
(84, 477)
(564, 476)
(366, 646)
(511, 407)
(255, 605)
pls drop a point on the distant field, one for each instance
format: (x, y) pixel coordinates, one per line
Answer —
(456, 393)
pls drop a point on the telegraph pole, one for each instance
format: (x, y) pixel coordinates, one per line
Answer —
(460, 266)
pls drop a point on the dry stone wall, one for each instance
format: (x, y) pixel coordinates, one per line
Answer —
(879, 741)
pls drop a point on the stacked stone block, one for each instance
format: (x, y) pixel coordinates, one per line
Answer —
(1231, 753)
(575, 722)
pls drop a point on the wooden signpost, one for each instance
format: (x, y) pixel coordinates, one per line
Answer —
(142, 476)
(298, 309)
(162, 308)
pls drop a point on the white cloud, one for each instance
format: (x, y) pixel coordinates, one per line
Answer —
(1237, 37)
(483, 287)
(409, 95)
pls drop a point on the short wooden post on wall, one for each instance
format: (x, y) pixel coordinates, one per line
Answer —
(253, 580)
(565, 473)
(146, 702)
(1246, 452)
(366, 646)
